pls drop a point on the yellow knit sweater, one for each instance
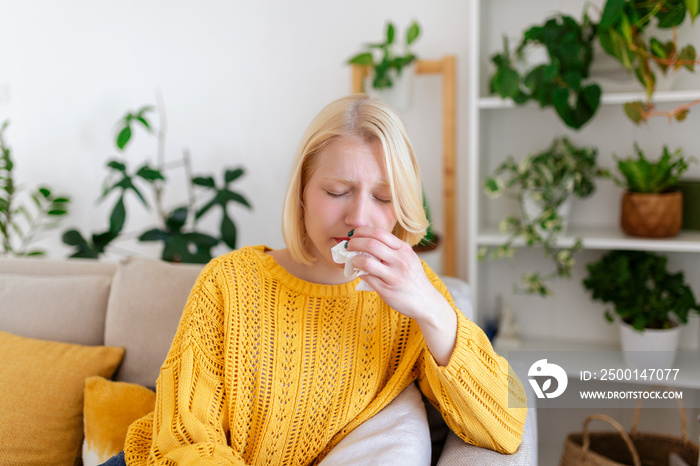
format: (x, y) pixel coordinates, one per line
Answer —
(269, 369)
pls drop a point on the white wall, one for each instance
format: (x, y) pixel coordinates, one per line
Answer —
(240, 81)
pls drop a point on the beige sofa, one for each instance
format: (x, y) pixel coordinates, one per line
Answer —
(136, 305)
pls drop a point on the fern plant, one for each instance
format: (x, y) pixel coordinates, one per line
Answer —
(640, 175)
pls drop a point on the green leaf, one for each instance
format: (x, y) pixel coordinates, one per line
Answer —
(635, 112)
(365, 58)
(413, 33)
(657, 48)
(144, 122)
(149, 174)
(177, 219)
(390, 32)
(228, 231)
(506, 82)
(680, 116)
(688, 54)
(493, 187)
(123, 137)
(56, 212)
(693, 7)
(226, 196)
(116, 165)
(45, 192)
(671, 15)
(73, 238)
(118, 217)
(233, 175)
(611, 13)
(207, 181)
(155, 234)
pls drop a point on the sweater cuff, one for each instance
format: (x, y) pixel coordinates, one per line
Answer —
(471, 345)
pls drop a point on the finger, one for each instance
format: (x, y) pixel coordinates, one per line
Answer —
(377, 233)
(372, 246)
(372, 266)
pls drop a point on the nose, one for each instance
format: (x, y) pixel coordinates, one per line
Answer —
(357, 214)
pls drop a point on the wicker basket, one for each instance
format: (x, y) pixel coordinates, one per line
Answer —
(652, 215)
(622, 448)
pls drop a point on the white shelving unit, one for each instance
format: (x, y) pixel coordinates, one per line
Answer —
(569, 321)
(499, 128)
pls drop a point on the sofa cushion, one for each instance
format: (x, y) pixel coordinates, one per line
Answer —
(144, 309)
(60, 308)
(51, 267)
(398, 434)
(110, 407)
(42, 384)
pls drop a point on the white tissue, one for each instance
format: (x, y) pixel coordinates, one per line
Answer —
(343, 256)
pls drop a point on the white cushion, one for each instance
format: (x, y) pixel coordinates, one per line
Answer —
(398, 434)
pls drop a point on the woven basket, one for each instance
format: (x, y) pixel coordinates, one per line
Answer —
(652, 215)
(622, 448)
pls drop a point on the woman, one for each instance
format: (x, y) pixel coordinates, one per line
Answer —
(278, 357)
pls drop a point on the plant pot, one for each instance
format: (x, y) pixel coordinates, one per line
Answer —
(652, 215)
(532, 208)
(399, 95)
(650, 348)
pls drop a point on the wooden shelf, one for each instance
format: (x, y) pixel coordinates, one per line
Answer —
(606, 238)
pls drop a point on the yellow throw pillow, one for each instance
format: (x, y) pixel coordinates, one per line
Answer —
(41, 397)
(110, 407)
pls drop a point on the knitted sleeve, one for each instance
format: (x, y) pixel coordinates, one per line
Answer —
(477, 393)
(189, 424)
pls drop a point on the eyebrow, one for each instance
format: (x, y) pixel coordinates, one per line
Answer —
(345, 180)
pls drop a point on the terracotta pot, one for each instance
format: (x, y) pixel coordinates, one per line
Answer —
(652, 215)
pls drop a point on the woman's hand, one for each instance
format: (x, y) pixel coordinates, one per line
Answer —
(396, 274)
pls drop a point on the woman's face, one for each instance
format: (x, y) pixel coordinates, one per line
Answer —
(347, 189)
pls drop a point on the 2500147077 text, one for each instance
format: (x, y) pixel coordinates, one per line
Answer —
(645, 375)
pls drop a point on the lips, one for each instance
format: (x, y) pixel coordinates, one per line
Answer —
(340, 239)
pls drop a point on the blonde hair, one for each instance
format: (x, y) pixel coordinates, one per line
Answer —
(370, 120)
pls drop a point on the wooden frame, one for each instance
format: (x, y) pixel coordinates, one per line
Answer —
(447, 67)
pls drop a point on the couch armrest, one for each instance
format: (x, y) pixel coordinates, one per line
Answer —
(457, 452)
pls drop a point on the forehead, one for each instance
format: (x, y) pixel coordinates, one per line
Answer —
(352, 158)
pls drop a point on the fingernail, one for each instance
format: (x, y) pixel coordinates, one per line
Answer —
(351, 233)
(346, 244)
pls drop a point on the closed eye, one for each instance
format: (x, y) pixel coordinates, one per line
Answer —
(383, 201)
(332, 194)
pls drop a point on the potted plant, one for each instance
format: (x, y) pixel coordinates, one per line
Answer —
(559, 79)
(650, 301)
(176, 229)
(651, 205)
(624, 32)
(392, 74)
(24, 213)
(543, 184)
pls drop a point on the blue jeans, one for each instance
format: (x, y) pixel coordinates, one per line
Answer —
(116, 460)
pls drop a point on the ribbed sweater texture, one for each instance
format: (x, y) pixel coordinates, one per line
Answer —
(268, 369)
